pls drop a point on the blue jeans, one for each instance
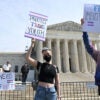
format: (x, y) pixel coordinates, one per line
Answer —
(43, 93)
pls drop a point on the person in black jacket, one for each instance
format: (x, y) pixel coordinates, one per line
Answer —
(24, 70)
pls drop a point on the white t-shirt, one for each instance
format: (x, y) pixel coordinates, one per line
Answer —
(7, 67)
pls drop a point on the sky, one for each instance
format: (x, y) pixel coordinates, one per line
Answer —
(14, 17)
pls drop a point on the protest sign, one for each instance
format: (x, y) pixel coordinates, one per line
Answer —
(37, 26)
(91, 18)
(7, 81)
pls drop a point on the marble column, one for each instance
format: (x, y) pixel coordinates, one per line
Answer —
(93, 63)
(57, 54)
(66, 56)
(84, 60)
(80, 59)
(98, 45)
(49, 45)
(39, 51)
(74, 57)
(88, 58)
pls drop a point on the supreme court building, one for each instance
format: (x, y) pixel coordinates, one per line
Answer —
(69, 54)
(68, 51)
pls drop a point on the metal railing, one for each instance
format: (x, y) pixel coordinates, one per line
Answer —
(69, 91)
(23, 91)
(79, 91)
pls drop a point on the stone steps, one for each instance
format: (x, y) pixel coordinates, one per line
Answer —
(76, 77)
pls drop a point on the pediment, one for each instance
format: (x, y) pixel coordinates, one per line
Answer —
(65, 26)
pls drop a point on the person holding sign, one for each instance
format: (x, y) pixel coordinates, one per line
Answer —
(95, 54)
(48, 75)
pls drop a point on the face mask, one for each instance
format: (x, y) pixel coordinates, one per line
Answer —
(47, 58)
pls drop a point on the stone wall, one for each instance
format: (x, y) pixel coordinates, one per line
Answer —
(16, 59)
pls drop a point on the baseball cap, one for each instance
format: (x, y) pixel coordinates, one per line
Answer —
(45, 48)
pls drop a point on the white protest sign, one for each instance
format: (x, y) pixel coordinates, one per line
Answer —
(37, 26)
(7, 81)
(91, 18)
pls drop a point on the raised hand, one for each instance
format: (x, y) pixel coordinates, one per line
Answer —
(32, 42)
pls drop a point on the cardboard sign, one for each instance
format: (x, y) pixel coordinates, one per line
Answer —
(7, 81)
(91, 18)
(37, 26)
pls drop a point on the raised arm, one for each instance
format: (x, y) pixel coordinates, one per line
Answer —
(32, 61)
(90, 49)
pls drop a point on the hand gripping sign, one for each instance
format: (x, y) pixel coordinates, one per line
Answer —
(91, 18)
(37, 26)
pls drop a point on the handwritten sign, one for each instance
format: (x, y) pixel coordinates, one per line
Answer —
(7, 81)
(37, 26)
(91, 18)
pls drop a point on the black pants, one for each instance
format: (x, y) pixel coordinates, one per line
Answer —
(99, 90)
(24, 77)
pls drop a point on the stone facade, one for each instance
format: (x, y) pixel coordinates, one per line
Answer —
(69, 54)
(65, 26)
(16, 59)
